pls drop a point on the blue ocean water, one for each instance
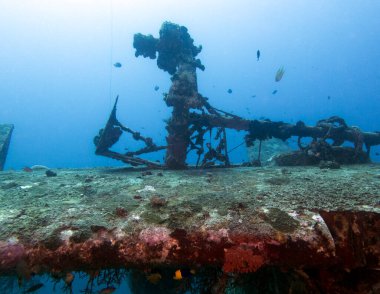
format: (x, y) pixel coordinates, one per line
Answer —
(58, 81)
(9, 285)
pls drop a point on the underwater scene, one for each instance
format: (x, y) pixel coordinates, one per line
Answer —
(189, 146)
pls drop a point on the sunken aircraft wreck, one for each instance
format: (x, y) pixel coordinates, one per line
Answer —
(166, 228)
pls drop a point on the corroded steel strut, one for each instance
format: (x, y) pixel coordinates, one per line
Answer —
(111, 134)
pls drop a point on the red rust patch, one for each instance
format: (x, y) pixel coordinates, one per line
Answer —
(239, 260)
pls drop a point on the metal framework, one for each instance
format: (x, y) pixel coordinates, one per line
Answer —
(193, 116)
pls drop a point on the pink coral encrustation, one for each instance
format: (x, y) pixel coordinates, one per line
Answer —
(155, 236)
(11, 252)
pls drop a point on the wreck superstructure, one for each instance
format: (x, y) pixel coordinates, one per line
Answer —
(193, 117)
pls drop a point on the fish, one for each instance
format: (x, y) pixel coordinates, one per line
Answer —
(229, 91)
(22, 269)
(107, 290)
(274, 92)
(69, 279)
(177, 275)
(253, 96)
(154, 278)
(34, 288)
(377, 153)
(27, 169)
(156, 88)
(19, 281)
(279, 74)
(117, 64)
(184, 273)
(328, 97)
(258, 55)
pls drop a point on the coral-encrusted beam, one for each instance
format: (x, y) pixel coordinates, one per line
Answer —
(346, 239)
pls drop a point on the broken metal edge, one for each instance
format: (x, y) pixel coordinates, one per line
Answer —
(5, 139)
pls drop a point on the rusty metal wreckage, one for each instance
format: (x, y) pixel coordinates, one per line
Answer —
(193, 116)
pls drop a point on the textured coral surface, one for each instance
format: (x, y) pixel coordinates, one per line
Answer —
(239, 220)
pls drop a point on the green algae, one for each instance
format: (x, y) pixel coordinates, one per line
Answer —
(35, 206)
(280, 220)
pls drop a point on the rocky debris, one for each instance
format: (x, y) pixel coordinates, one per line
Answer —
(49, 173)
(328, 164)
(157, 201)
(338, 155)
(121, 212)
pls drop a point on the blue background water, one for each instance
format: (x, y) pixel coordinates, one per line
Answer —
(57, 82)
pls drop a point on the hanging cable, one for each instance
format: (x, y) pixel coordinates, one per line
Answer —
(111, 54)
(259, 156)
(229, 151)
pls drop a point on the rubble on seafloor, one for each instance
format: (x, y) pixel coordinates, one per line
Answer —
(317, 227)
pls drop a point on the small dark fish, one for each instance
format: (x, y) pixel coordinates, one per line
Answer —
(328, 97)
(69, 279)
(274, 92)
(258, 55)
(229, 91)
(154, 278)
(253, 96)
(279, 74)
(19, 281)
(34, 288)
(117, 64)
(377, 153)
(156, 88)
(27, 169)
